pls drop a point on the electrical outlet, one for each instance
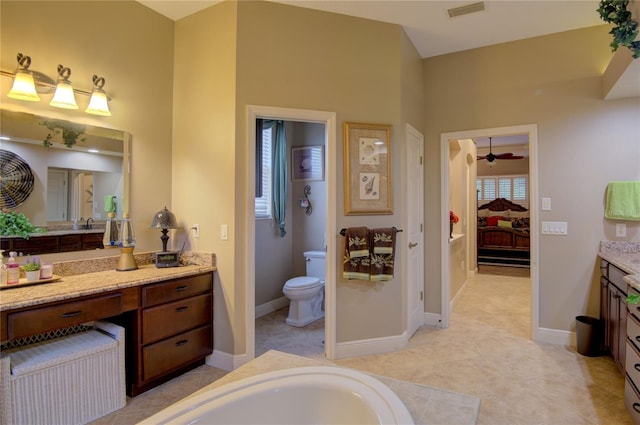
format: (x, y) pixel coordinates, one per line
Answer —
(196, 230)
(621, 230)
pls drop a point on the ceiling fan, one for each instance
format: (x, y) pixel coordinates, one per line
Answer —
(491, 157)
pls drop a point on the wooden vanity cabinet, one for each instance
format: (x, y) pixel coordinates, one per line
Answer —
(632, 362)
(174, 330)
(614, 312)
(168, 325)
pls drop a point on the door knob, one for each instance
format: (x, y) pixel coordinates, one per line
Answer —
(411, 244)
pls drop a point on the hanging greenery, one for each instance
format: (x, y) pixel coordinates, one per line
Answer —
(625, 30)
(70, 132)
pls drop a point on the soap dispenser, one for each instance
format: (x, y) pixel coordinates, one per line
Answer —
(13, 269)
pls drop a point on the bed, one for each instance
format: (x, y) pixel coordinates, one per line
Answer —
(503, 234)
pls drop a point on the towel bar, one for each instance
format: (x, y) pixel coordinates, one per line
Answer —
(344, 231)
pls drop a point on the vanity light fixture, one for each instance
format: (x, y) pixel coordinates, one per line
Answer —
(29, 85)
(24, 86)
(64, 97)
(98, 104)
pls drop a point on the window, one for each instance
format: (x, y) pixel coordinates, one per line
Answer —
(263, 172)
(513, 188)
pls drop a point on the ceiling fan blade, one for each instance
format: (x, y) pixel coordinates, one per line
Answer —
(508, 155)
(482, 157)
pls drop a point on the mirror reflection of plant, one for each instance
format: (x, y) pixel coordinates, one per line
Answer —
(70, 132)
(625, 30)
(13, 223)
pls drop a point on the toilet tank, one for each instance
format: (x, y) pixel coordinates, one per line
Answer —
(315, 261)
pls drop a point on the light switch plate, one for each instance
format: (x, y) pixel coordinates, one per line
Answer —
(224, 232)
(554, 227)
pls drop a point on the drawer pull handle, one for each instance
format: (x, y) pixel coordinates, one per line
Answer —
(181, 309)
(637, 367)
(71, 314)
(181, 288)
(181, 343)
(636, 407)
(638, 338)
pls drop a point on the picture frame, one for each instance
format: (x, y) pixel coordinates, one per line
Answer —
(367, 169)
(307, 163)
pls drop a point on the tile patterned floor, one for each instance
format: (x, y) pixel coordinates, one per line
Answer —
(486, 352)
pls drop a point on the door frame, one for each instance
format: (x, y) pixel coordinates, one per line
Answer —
(532, 131)
(301, 115)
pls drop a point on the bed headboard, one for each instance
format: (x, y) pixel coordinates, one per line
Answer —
(501, 204)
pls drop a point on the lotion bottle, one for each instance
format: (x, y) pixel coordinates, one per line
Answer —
(13, 269)
(3, 269)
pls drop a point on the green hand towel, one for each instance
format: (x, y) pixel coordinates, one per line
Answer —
(623, 201)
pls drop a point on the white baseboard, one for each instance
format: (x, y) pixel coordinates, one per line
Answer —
(432, 319)
(226, 361)
(271, 306)
(555, 336)
(370, 346)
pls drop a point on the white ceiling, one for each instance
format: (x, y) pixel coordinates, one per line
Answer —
(428, 24)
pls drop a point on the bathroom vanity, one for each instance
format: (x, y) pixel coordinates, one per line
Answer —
(620, 277)
(167, 315)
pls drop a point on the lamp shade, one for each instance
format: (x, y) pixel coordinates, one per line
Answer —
(164, 219)
(64, 97)
(24, 87)
(98, 104)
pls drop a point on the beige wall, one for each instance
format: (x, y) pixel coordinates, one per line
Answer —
(583, 142)
(137, 62)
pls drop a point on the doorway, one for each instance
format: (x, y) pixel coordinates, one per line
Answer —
(328, 119)
(445, 138)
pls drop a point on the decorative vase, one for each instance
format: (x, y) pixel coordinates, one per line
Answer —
(450, 230)
(33, 276)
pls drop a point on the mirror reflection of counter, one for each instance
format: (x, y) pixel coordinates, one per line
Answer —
(54, 241)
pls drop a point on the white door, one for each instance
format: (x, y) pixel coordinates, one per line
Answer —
(57, 195)
(415, 234)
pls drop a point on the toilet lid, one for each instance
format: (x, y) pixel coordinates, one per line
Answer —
(302, 282)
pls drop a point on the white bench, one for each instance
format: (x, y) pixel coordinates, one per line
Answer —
(69, 380)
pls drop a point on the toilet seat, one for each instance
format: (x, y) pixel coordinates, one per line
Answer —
(302, 282)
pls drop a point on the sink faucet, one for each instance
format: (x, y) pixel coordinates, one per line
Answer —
(89, 224)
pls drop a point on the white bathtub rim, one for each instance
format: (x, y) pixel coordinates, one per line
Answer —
(389, 407)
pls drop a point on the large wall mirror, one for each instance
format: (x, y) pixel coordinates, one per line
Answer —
(72, 181)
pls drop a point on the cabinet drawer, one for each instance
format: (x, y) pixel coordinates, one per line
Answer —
(632, 401)
(632, 364)
(44, 319)
(633, 329)
(169, 319)
(176, 289)
(173, 353)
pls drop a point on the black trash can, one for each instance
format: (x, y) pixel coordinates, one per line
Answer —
(589, 334)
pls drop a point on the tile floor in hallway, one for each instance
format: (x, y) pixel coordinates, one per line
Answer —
(486, 352)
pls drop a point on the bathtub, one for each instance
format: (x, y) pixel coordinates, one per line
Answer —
(303, 395)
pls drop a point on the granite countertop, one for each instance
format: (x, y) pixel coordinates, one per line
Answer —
(427, 405)
(625, 256)
(95, 276)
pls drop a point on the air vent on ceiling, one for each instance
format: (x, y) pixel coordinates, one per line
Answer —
(466, 9)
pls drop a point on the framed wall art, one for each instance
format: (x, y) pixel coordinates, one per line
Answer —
(307, 163)
(367, 169)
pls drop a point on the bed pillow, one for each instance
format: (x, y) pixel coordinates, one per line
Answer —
(504, 223)
(493, 221)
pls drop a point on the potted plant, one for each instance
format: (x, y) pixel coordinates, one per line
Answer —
(625, 31)
(31, 268)
(14, 223)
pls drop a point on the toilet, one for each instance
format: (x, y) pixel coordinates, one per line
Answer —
(306, 293)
